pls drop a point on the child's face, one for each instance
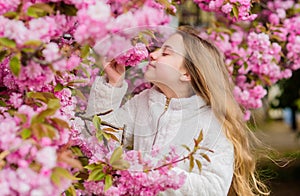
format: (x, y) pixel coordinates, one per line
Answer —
(166, 64)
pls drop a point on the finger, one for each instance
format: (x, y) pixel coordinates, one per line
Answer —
(111, 65)
(107, 66)
(120, 68)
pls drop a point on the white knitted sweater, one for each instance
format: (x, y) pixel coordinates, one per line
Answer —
(151, 121)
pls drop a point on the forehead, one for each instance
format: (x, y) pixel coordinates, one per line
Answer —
(175, 41)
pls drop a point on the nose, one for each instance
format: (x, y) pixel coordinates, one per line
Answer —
(153, 55)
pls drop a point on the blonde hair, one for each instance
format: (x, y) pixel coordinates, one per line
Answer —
(210, 80)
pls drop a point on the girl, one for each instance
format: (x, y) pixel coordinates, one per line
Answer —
(191, 92)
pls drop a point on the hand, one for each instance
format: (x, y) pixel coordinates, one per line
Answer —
(115, 73)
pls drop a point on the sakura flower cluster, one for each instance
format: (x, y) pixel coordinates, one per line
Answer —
(111, 35)
(262, 56)
(29, 162)
(239, 9)
(141, 178)
(134, 55)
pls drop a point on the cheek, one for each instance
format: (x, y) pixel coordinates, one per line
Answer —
(163, 73)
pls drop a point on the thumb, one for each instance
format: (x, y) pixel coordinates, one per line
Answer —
(120, 68)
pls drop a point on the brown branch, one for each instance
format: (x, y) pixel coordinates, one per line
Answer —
(167, 164)
(104, 113)
(43, 62)
(110, 125)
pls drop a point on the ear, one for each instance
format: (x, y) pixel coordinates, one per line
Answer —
(185, 77)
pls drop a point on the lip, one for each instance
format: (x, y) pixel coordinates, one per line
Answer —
(151, 65)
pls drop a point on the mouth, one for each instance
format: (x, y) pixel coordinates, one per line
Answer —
(151, 65)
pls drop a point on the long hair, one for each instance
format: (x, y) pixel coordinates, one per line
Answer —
(210, 80)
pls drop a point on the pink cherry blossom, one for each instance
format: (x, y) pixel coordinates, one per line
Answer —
(51, 52)
(16, 99)
(8, 5)
(17, 31)
(47, 157)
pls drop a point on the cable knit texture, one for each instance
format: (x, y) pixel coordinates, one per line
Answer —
(148, 124)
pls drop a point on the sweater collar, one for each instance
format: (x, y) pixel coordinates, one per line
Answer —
(194, 102)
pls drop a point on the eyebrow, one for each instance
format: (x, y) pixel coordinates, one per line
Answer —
(167, 47)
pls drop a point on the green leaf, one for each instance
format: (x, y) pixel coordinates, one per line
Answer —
(186, 147)
(96, 175)
(67, 9)
(245, 65)
(235, 11)
(79, 186)
(108, 129)
(143, 39)
(71, 191)
(3, 154)
(55, 178)
(80, 94)
(225, 30)
(39, 10)
(49, 95)
(40, 130)
(84, 51)
(112, 136)
(59, 172)
(83, 160)
(25, 133)
(149, 33)
(72, 83)
(10, 15)
(39, 118)
(76, 151)
(209, 31)
(108, 182)
(165, 3)
(120, 164)
(2, 103)
(2, 55)
(22, 117)
(15, 65)
(192, 164)
(58, 87)
(35, 12)
(99, 135)
(200, 137)
(33, 43)
(276, 38)
(60, 123)
(116, 155)
(37, 95)
(205, 156)
(93, 166)
(106, 136)
(65, 173)
(28, 50)
(42, 96)
(97, 122)
(54, 104)
(199, 165)
(4, 41)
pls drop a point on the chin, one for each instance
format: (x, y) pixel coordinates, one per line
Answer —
(148, 76)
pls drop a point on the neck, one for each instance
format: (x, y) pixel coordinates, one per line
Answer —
(178, 92)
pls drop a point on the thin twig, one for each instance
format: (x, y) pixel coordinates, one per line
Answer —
(104, 113)
(102, 122)
(110, 125)
(167, 164)
(87, 129)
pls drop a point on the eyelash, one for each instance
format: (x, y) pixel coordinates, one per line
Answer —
(165, 54)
